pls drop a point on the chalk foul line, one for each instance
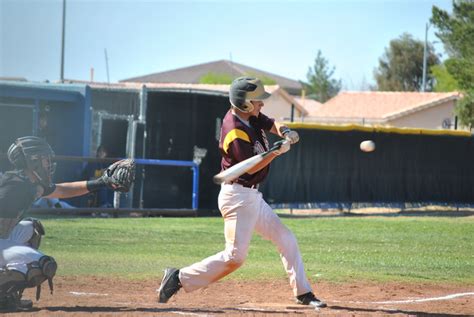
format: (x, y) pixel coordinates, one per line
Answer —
(419, 300)
(87, 294)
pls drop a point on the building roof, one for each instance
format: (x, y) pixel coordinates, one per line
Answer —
(163, 86)
(193, 74)
(379, 105)
(179, 87)
(13, 79)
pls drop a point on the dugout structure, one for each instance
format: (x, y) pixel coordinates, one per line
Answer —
(408, 165)
(160, 123)
(169, 123)
(57, 113)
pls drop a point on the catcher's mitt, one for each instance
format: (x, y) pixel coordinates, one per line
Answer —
(120, 175)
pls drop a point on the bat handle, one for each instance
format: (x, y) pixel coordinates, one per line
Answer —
(277, 145)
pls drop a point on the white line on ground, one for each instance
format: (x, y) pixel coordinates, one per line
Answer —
(419, 300)
(87, 294)
(251, 309)
(284, 310)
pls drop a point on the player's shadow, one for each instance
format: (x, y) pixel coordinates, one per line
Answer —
(394, 312)
(123, 309)
(180, 310)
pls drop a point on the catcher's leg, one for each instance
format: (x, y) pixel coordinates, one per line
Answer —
(12, 284)
(23, 267)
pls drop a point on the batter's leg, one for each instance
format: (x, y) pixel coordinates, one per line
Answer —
(238, 210)
(270, 227)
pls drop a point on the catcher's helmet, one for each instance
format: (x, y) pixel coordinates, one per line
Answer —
(34, 154)
(243, 90)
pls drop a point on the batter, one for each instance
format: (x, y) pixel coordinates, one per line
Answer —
(241, 204)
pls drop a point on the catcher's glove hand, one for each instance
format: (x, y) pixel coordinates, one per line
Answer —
(120, 175)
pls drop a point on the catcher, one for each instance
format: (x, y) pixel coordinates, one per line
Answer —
(21, 264)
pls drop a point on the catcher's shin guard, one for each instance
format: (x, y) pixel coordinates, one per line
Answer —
(38, 232)
(40, 271)
(11, 281)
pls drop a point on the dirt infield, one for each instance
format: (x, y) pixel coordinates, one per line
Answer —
(111, 297)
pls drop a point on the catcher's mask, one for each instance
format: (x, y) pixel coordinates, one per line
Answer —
(243, 90)
(33, 154)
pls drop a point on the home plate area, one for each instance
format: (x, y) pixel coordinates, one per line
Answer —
(99, 296)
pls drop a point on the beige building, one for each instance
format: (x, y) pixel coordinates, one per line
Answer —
(425, 110)
(310, 105)
(282, 106)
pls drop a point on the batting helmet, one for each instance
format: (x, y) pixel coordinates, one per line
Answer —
(243, 90)
(34, 154)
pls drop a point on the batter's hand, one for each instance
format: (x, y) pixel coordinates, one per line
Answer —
(284, 147)
(292, 136)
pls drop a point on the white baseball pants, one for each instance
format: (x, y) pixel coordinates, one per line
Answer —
(244, 211)
(14, 253)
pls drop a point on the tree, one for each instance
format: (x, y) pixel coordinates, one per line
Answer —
(215, 78)
(401, 66)
(445, 82)
(226, 79)
(465, 109)
(320, 85)
(456, 31)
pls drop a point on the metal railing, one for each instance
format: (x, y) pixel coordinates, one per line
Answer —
(151, 162)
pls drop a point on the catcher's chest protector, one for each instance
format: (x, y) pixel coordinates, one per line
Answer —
(16, 195)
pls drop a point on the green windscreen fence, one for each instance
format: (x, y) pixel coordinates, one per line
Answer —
(408, 165)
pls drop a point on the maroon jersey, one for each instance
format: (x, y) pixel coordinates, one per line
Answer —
(239, 141)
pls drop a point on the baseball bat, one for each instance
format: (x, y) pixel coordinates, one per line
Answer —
(243, 167)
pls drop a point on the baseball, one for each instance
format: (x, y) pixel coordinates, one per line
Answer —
(367, 146)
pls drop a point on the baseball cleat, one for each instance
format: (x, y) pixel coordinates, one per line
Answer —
(310, 299)
(170, 285)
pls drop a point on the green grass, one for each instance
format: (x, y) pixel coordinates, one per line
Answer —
(428, 249)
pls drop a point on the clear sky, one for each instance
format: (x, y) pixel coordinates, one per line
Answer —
(145, 36)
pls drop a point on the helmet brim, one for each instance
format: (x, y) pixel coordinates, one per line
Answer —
(263, 96)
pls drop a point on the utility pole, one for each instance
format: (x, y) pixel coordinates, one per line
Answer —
(61, 78)
(425, 57)
(107, 65)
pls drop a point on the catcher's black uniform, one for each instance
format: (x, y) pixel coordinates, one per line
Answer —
(17, 193)
(21, 264)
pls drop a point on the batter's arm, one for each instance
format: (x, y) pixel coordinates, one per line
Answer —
(278, 129)
(267, 160)
(284, 132)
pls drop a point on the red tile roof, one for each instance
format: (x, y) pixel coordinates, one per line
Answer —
(380, 106)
